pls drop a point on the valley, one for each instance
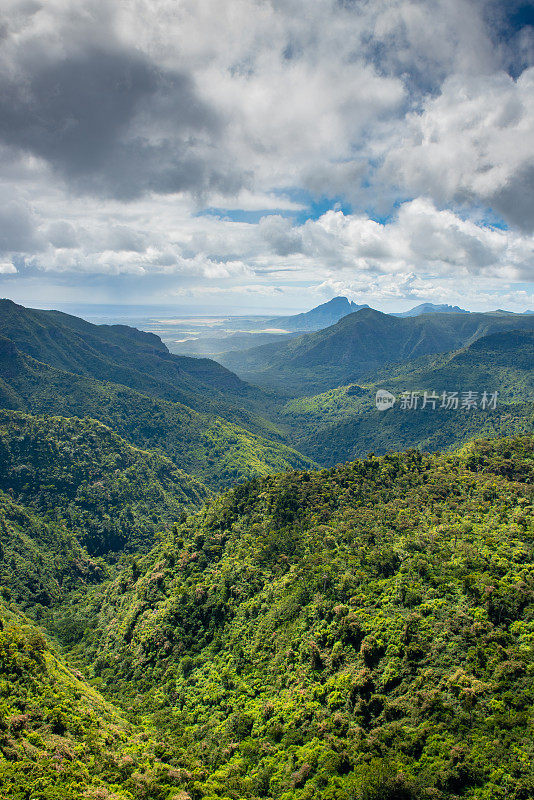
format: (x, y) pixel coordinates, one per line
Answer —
(266, 400)
(212, 590)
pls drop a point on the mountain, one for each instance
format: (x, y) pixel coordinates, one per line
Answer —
(354, 633)
(430, 308)
(124, 355)
(209, 447)
(344, 423)
(360, 632)
(361, 343)
(319, 317)
(73, 497)
(41, 560)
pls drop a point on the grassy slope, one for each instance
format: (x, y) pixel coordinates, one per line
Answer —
(362, 632)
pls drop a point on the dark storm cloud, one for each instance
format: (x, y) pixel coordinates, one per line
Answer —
(112, 123)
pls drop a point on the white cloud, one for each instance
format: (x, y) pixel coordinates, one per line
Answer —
(260, 290)
(108, 238)
(420, 237)
(7, 268)
(473, 143)
(404, 290)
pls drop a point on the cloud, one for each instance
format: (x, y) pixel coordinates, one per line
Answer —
(107, 118)
(62, 234)
(421, 237)
(154, 140)
(18, 228)
(474, 143)
(7, 268)
(426, 41)
(279, 235)
(343, 179)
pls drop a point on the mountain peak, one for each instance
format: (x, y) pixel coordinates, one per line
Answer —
(321, 316)
(431, 308)
(335, 302)
(6, 303)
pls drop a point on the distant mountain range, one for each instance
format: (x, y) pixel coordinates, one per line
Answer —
(223, 346)
(331, 312)
(220, 429)
(194, 410)
(361, 343)
(430, 308)
(133, 358)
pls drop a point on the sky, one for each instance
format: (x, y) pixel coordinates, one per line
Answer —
(251, 156)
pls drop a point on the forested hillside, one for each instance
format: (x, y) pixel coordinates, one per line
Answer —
(361, 632)
(74, 497)
(110, 495)
(344, 423)
(216, 451)
(123, 355)
(40, 559)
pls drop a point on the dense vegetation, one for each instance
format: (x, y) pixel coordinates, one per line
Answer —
(59, 738)
(73, 497)
(40, 559)
(110, 495)
(360, 632)
(123, 355)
